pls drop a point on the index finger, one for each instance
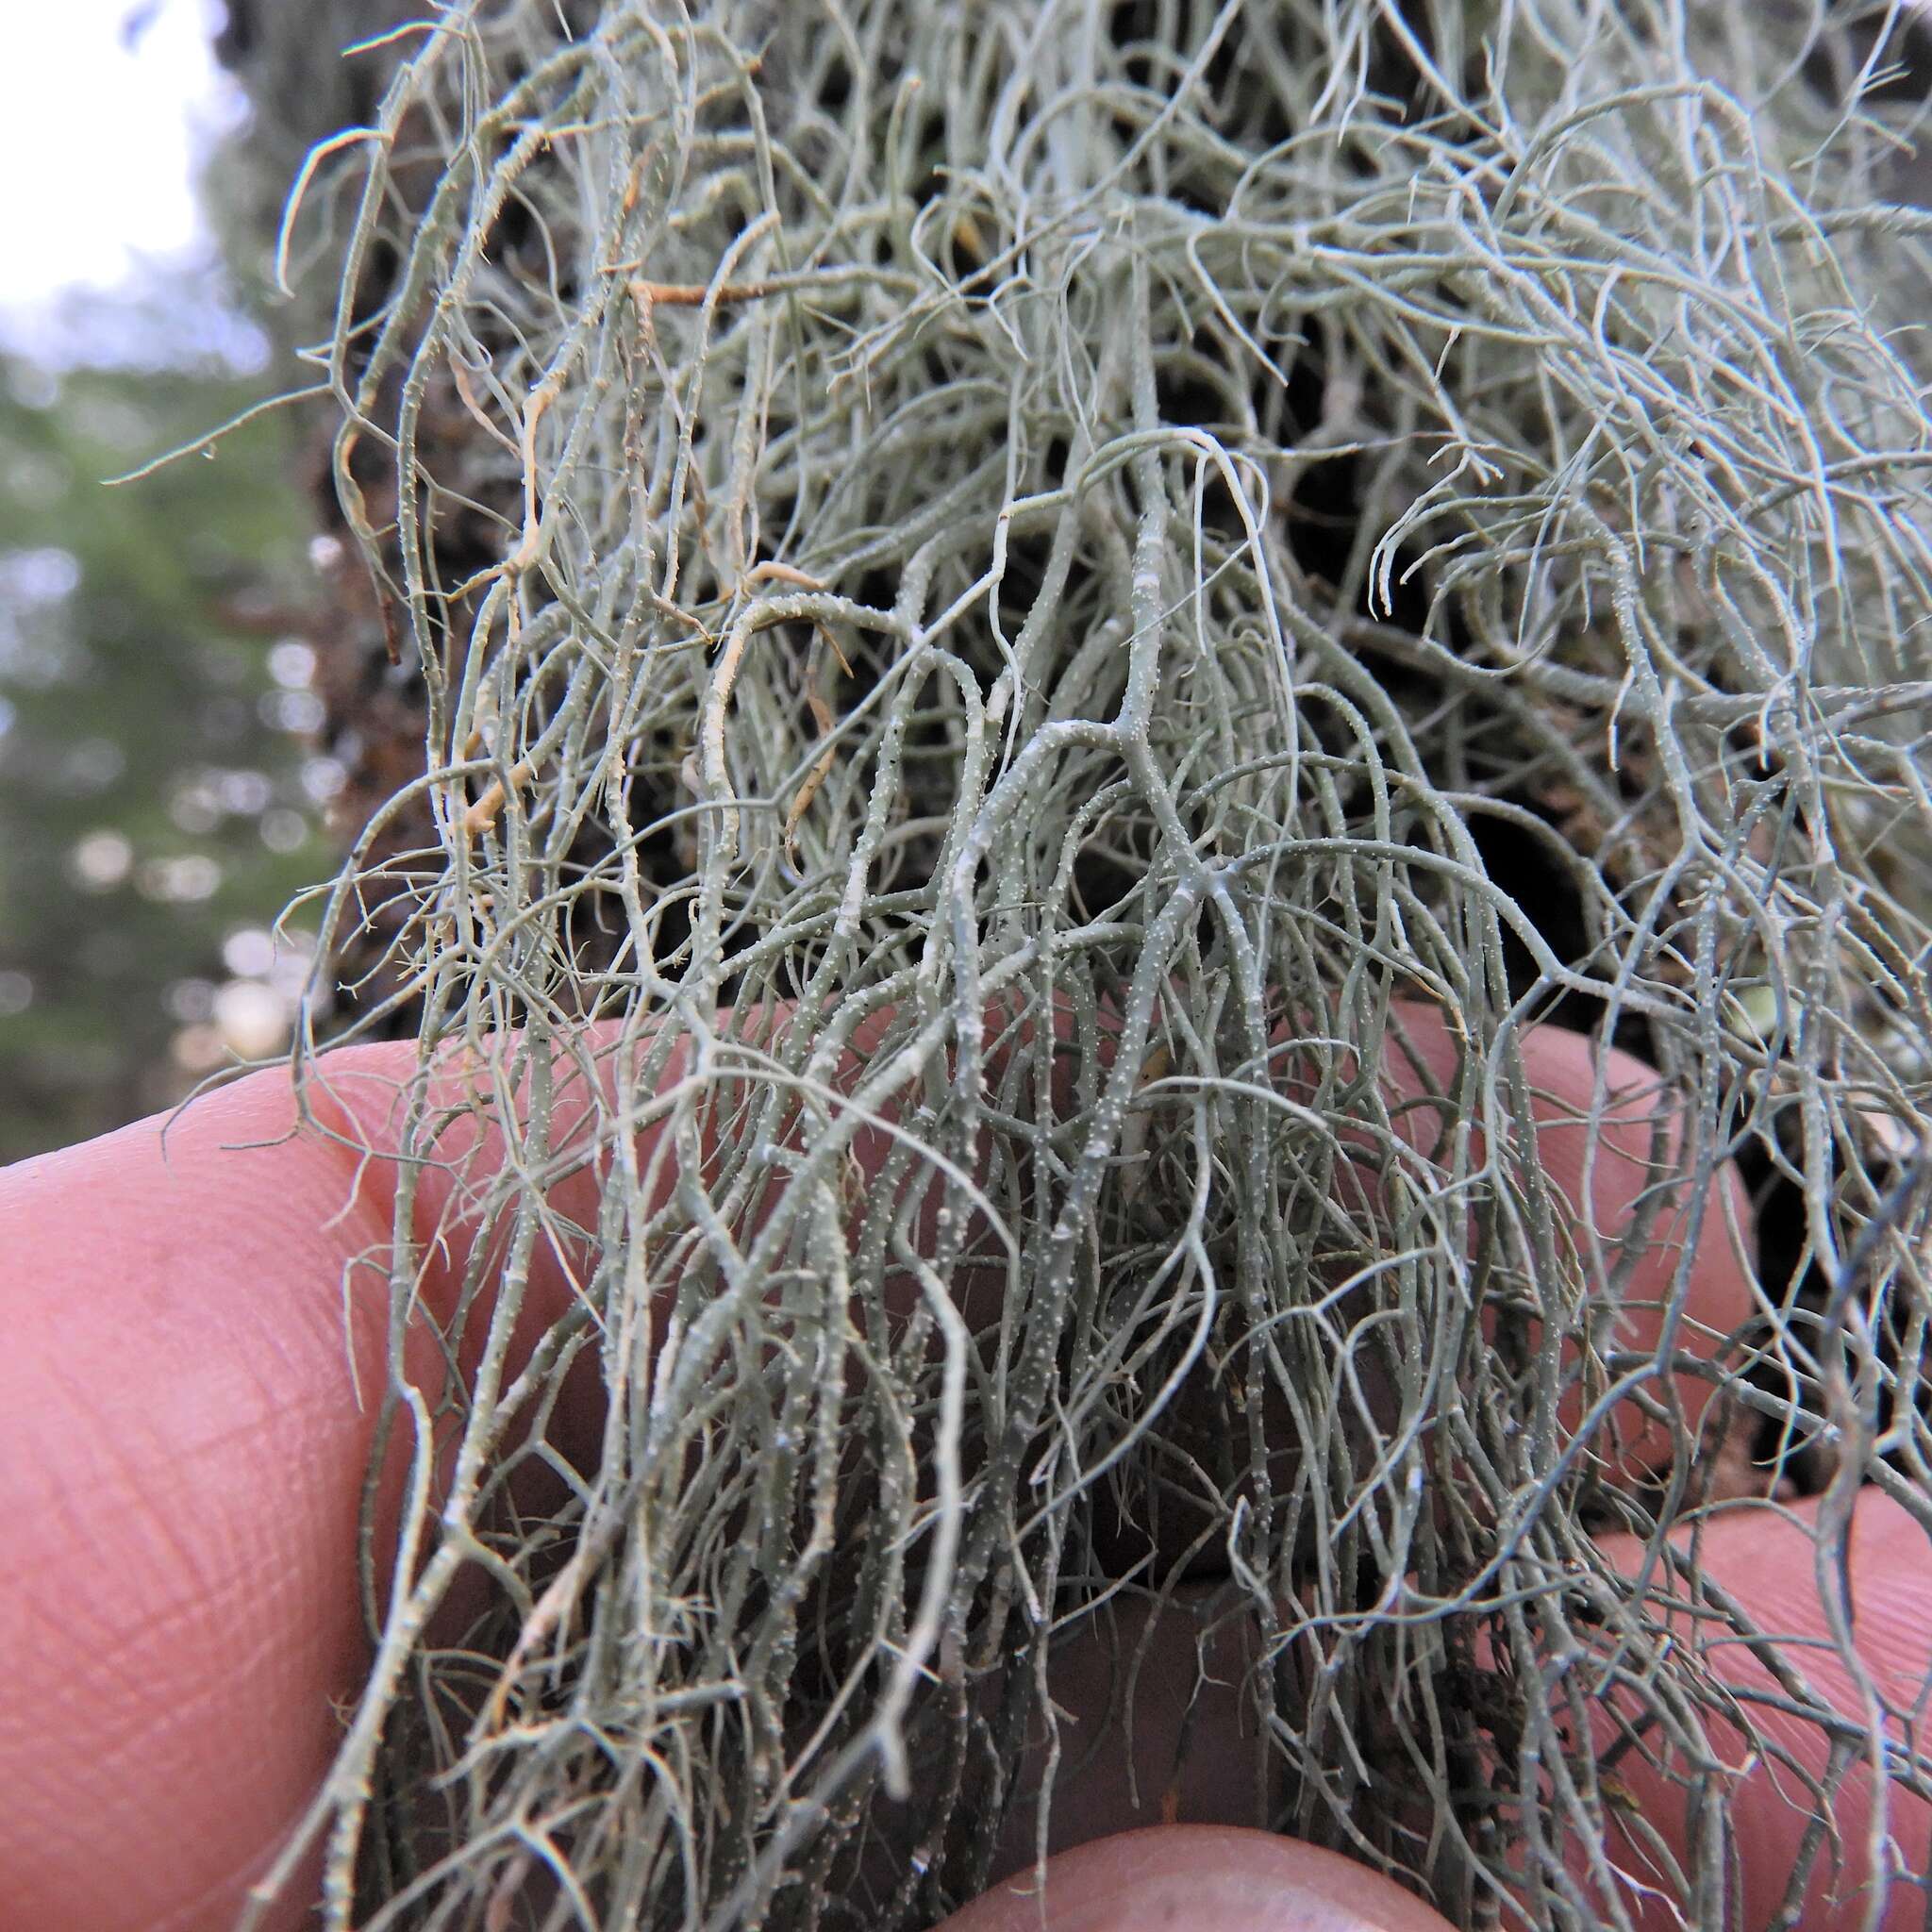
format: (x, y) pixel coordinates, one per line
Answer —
(188, 1386)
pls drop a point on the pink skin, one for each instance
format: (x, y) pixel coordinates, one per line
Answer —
(1767, 1560)
(180, 1470)
(1198, 1876)
(181, 1479)
(1611, 1177)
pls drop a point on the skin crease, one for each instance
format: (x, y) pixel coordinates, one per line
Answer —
(181, 1461)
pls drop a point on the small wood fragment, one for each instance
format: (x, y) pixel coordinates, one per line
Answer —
(772, 571)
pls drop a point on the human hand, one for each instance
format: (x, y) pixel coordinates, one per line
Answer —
(181, 1469)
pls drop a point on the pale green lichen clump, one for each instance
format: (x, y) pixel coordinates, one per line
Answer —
(1120, 515)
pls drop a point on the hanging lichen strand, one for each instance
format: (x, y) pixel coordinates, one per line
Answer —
(1065, 574)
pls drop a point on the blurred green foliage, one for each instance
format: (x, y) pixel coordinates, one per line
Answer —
(152, 769)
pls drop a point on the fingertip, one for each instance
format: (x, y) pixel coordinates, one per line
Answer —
(1208, 1879)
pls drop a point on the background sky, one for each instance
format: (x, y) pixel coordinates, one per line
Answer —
(104, 168)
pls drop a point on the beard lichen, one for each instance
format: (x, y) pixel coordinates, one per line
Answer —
(1054, 575)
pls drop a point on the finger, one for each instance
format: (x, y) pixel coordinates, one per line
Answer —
(196, 1327)
(1603, 1166)
(1210, 1878)
(1768, 1561)
(188, 1422)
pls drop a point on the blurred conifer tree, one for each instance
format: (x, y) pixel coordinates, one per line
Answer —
(152, 704)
